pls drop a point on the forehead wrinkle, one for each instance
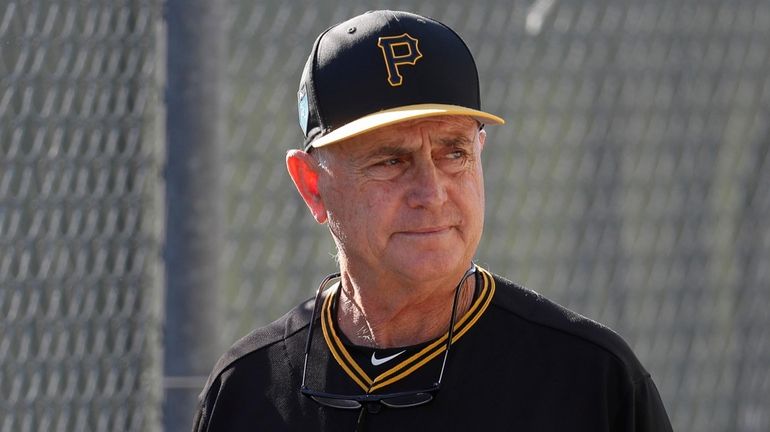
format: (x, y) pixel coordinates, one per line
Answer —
(390, 150)
(399, 147)
(392, 140)
(455, 141)
(391, 146)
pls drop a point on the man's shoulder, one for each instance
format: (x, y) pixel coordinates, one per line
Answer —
(541, 313)
(262, 339)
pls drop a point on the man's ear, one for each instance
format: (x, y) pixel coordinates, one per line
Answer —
(304, 171)
(482, 139)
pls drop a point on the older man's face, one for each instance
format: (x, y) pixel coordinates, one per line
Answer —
(407, 199)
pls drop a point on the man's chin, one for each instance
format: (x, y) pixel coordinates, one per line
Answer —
(430, 265)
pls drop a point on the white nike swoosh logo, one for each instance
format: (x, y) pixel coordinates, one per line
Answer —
(377, 362)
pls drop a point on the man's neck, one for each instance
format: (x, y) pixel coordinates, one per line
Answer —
(389, 316)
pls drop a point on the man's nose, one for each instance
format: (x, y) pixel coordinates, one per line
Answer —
(427, 188)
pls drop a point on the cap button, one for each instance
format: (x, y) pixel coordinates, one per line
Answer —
(351, 30)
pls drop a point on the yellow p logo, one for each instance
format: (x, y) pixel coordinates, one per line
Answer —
(398, 51)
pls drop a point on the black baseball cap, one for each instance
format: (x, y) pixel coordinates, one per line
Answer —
(381, 68)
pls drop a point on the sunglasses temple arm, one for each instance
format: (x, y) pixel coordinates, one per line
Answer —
(450, 334)
(312, 321)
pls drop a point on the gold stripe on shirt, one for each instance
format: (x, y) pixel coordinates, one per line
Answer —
(417, 360)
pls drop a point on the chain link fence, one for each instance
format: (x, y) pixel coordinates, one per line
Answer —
(630, 184)
(80, 216)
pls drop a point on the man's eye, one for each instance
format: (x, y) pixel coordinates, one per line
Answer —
(390, 162)
(454, 161)
(386, 169)
(457, 155)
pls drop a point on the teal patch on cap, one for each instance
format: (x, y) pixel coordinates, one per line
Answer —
(302, 109)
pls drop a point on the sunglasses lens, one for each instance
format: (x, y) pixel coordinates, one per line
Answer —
(337, 403)
(408, 400)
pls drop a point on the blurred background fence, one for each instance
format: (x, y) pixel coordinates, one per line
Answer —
(631, 183)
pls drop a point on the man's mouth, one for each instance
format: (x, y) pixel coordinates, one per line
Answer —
(427, 231)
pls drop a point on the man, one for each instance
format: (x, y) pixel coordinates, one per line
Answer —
(412, 335)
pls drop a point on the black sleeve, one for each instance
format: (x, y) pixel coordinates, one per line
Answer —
(205, 408)
(644, 409)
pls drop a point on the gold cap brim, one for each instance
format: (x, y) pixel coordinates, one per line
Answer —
(396, 115)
